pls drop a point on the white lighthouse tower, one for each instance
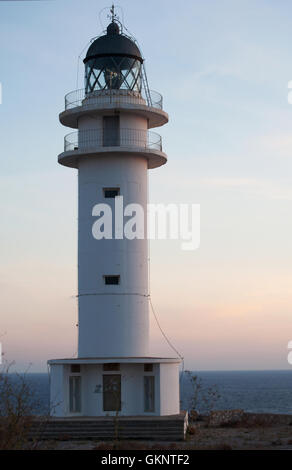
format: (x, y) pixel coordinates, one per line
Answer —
(113, 149)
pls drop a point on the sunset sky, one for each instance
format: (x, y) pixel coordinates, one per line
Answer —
(223, 69)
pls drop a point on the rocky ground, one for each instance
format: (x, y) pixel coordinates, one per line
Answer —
(224, 430)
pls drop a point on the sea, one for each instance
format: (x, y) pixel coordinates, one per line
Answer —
(253, 391)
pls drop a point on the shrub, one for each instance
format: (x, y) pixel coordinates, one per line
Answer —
(17, 403)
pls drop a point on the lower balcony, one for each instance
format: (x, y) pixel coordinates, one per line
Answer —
(93, 138)
(91, 142)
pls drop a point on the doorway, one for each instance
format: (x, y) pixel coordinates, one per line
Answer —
(112, 392)
(111, 131)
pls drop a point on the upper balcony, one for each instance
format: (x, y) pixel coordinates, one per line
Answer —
(95, 142)
(100, 97)
(78, 103)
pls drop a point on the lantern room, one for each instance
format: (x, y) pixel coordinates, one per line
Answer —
(113, 62)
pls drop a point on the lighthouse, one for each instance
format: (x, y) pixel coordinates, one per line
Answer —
(114, 149)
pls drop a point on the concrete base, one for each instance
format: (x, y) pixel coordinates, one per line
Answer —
(162, 428)
(148, 386)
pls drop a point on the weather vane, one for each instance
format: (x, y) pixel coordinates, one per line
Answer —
(113, 16)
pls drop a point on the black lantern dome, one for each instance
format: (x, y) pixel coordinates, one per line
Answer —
(113, 61)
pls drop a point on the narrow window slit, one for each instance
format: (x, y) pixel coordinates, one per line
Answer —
(111, 280)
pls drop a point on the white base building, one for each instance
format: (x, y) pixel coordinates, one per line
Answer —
(142, 386)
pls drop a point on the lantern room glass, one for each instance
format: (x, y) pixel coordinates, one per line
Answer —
(113, 73)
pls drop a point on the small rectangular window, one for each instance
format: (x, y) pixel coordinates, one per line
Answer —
(148, 367)
(75, 368)
(111, 366)
(111, 193)
(111, 280)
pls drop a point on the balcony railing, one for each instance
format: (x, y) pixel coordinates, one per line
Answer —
(92, 139)
(104, 97)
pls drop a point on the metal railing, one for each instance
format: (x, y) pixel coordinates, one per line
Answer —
(95, 138)
(104, 97)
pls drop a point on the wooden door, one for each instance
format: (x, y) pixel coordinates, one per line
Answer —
(111, 392)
